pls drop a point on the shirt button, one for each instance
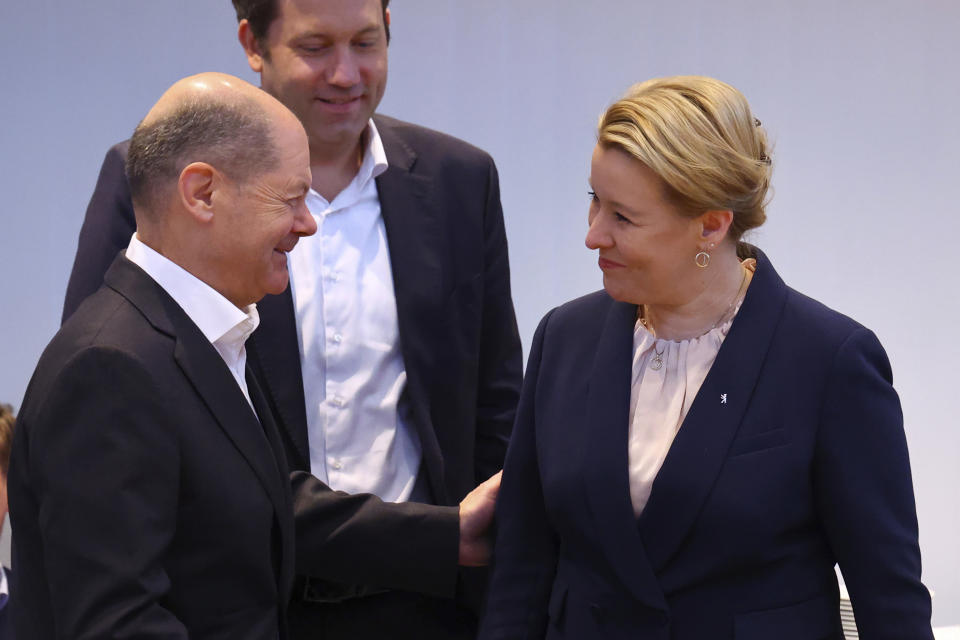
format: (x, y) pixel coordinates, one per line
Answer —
(337, 401)
(338, 338)
(337, 465)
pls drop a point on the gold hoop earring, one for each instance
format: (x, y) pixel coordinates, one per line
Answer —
(702, 259)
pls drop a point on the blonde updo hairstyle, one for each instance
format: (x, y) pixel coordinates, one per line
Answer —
(699, 136)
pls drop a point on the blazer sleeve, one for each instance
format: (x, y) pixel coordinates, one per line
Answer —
(102, 468)
(359, 539)
(106, 230)
(501, 358)
(865, 493)
(525, 554)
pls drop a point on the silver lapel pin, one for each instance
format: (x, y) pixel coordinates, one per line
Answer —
(723, 398)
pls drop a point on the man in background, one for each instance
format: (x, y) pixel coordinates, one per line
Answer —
(7, 423)
(393, 361)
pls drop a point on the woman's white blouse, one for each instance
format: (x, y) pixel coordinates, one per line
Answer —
(660, 398)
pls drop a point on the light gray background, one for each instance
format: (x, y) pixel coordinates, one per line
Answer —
(860, 97)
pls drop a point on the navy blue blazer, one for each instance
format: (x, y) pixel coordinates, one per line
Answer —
(792, 458)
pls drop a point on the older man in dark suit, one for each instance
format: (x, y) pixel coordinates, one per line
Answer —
(148, 483)
(393, 361)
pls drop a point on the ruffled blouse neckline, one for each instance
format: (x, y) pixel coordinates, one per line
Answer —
(667, 374)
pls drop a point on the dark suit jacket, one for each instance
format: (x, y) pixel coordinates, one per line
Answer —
(6, 617)
(804, 465)
(441, 207)
(147, 498)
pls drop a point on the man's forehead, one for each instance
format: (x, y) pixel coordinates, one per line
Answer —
(328, 16)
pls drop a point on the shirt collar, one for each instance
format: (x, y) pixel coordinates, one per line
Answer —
(373, 164)
(213, 314)
(236, 337)
(374, 156)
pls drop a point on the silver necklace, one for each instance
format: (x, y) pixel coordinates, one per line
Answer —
(657, 362)
(657, 357)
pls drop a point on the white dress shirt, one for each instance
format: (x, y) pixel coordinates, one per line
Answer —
(4, 588)
(353, 371)
(220, 321)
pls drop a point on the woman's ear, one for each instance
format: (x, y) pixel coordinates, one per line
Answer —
(714, 225)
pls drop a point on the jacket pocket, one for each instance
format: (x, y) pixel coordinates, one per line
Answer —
(816, 619)
(758, 442)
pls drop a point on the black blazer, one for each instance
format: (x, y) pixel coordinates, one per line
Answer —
(147, 498)
(440, 201)
(6, 617)
(791, 458)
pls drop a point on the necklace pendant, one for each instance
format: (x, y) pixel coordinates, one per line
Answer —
(657, 362)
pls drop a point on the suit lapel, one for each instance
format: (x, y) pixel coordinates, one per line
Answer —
(204, 368)
(607, 468)
(413, 228)
(285, 516)
(700, 448)
(274, 353)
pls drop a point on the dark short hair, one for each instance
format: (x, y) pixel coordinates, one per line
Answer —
(235, 138)
(7, 423)
(261, 14)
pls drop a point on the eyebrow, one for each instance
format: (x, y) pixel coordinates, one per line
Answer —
(372, 28)
(299, 187)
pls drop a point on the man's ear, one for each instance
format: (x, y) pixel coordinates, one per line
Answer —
(250, 46)
(714, 225)
(386, 16)
(196, 186)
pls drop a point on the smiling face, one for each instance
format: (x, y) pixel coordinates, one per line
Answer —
(646, 245)
(327, 61)
(259, 221)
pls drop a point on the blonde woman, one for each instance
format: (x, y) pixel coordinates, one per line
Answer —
(698, 444)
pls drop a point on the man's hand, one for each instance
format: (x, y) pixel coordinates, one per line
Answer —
(476, 514)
